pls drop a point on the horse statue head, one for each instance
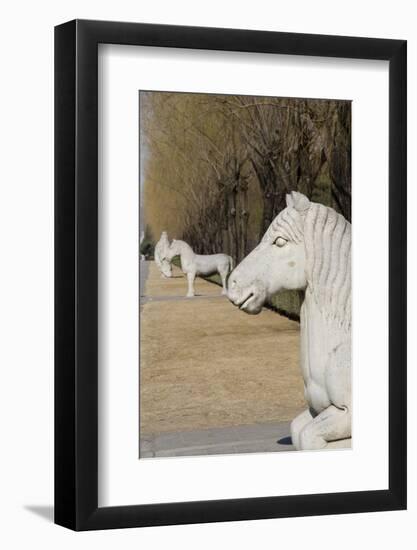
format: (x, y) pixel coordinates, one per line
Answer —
(306, 247)
(172, 250)
(160, 255)
(166, 268)
(177, 248)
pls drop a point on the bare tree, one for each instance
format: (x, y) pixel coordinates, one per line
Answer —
(208, 153)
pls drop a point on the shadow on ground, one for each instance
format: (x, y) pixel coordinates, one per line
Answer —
(45, 512)
(285, 441)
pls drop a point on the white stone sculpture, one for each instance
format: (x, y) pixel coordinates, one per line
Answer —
(160, 251)
(197, 264)
(308, 247)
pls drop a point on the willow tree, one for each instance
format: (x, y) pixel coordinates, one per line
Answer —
(197, 159)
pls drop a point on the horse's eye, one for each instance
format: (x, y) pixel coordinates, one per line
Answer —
(280, 241)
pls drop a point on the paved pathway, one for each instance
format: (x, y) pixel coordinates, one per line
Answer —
(143, 276)
(256, 438)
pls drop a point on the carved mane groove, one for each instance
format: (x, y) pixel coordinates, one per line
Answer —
(327, 239)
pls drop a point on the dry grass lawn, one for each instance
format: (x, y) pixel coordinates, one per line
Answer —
(206, 364)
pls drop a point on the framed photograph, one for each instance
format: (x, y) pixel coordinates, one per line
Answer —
(230, 253)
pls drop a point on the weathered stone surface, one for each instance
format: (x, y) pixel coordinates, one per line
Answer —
(256, 438)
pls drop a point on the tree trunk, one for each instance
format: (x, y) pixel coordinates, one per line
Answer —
(244, 213)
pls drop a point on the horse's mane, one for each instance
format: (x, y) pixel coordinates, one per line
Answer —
(327, 238)
(183, 245)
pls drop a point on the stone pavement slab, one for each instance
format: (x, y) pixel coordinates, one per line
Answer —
(255, 438)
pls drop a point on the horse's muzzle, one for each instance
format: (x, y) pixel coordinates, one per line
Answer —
(249, 299)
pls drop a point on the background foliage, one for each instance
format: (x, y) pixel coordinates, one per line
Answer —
(215, 169)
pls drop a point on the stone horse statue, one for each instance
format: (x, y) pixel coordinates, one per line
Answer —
(161, 248)
(197, 264)
(307, 247)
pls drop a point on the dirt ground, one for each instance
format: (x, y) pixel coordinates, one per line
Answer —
(206, 364)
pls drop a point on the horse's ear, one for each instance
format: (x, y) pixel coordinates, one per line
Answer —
(299, 201)
(289, 200)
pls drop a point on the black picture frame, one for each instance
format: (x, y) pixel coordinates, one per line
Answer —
(76, 272)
